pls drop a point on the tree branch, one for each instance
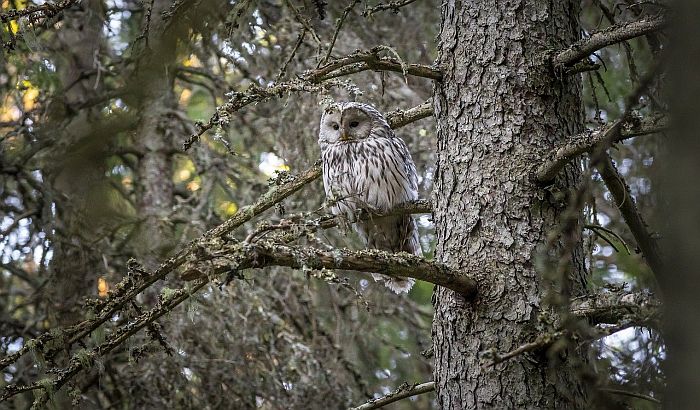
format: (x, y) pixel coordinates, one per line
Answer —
(369, 60)
(611, 307)
(626, 204)
(588, 141)
(611, 311)
(394, 6)
(216, 258)
(611, 35)
(404, 391)
(47, 10)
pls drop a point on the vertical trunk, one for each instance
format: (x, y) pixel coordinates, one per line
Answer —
(74, 163)
(155, 135)
(499, 110)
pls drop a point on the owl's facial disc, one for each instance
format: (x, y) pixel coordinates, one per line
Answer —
(354, 125)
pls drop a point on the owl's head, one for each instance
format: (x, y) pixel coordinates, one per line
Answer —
(350, 122)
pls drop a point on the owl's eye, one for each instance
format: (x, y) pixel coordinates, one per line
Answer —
(335, 127)
(354, 124)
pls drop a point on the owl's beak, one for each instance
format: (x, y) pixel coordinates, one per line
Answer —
(344, 136)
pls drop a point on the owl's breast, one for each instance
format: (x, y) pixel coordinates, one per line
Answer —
(372, 173)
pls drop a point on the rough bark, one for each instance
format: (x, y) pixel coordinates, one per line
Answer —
(500, 109)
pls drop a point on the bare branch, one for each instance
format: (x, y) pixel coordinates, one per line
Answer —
(312, 81)
(612, 311)
(611, 35)
(404, 391)
(611, 307)
(47, 10)
(394, 6)
(588, 141)
(338, 26)
(630, 394)
(369, 60)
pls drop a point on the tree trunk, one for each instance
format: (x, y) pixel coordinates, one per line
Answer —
(74, 168)
(499, 110)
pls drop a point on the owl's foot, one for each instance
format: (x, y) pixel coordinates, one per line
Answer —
(397, 285)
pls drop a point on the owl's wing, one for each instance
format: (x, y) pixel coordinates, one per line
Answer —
(409, 166)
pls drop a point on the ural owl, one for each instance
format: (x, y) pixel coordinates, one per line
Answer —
(366, 166)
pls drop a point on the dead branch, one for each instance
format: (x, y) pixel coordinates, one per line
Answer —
(369, 60)
(588, 141)
(404, 391)
(394, 6)
(611, 307)
(47, 10)
(611, 311)
(611, 35)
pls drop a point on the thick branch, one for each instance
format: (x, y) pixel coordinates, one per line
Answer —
(611, 35)
(588, 141)
(218, 259)
(626, 204)
(402, 392)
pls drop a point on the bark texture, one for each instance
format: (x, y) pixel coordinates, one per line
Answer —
(499, 110)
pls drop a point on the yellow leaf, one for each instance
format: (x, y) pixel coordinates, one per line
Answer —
(102, 287)
(193, 185)
(185, 96)
(29, 98)
(228, 208)
(192, 61)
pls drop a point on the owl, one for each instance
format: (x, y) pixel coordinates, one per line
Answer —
(367, 167)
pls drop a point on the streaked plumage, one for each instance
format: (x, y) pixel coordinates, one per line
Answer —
(366, 166)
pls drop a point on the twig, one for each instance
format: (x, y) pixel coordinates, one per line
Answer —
(394, 6)
(630, 394)
(300, 40)
(404, 391)
(597, 228)
(338, 26)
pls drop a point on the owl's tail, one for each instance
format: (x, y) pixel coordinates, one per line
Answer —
(397, 285)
